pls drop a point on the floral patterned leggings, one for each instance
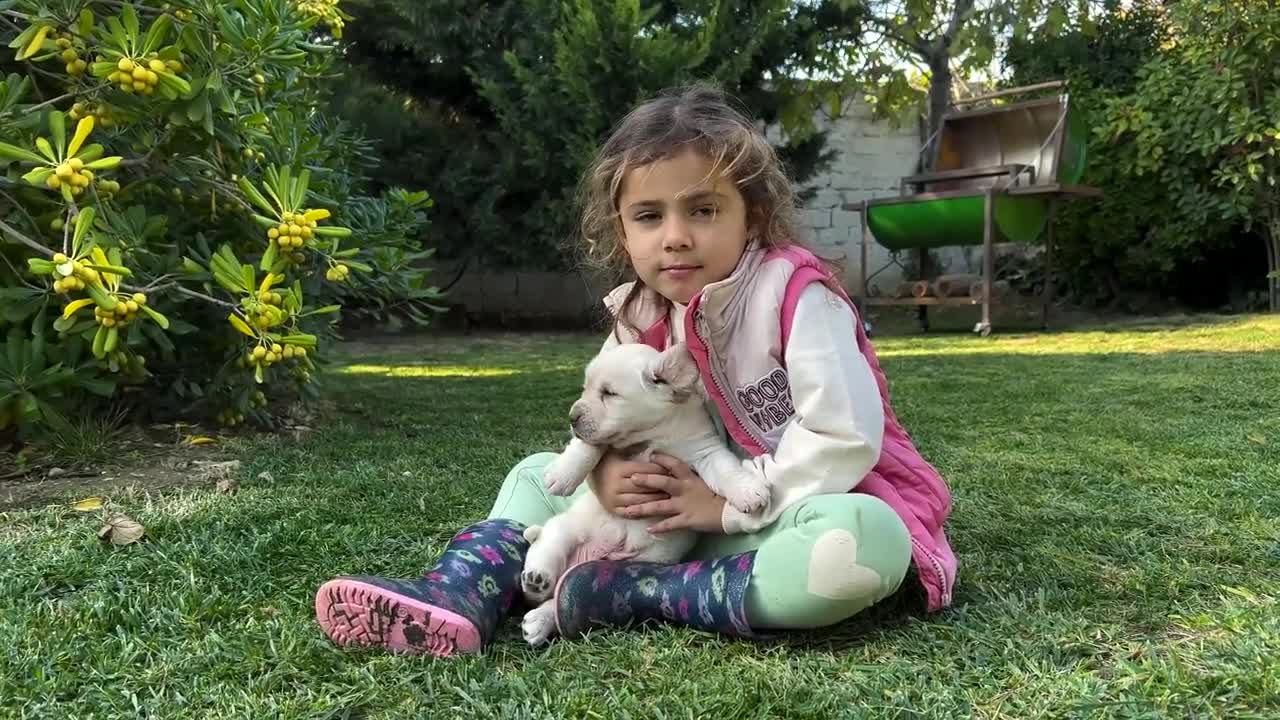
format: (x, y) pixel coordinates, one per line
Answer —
(824, 560)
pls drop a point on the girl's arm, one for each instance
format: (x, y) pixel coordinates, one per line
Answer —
(834, 438)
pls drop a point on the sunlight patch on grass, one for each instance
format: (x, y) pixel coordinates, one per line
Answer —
(431, 370)
(1252, 335)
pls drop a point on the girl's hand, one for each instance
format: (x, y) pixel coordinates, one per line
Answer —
(618, 489)
(689, 504)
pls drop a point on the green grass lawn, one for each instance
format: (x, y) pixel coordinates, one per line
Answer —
(1117, 520)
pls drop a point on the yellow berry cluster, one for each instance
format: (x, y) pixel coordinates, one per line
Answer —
(267, 312)
(101, 113)
(270, 355)
(125, 312)
(270, 298)
(251, 154)
(140, 76)
(72, 173)
(230, 417)
(293, 233)
(75, 65)
(337, 273)
(80, 276)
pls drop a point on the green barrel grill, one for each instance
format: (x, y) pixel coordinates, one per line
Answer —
(999, 171)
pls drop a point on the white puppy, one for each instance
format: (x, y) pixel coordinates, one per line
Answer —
(638, 401)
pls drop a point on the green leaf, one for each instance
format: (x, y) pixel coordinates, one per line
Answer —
(302, 340)
(156, 34)
(13, 152)
(300, 187)
(338, 232)
(58, 129)
(84, 221)
(130, 19)
(42, 144)
(256, 198)
(359, 266)
(268, 258)
(40, 266)
(113, 337)
(100, 342)
(101, 297)
(115, 269)
(285, 186)
(89, 153)
(327, 309)
(257, 374)
(86, 23)
(38, 176)
(159, 319)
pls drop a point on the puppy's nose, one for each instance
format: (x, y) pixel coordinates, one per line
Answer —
(575, 415)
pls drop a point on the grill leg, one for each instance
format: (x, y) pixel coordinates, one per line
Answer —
(988, 261)
(922, 311)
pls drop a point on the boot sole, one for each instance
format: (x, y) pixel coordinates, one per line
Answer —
(353, 613)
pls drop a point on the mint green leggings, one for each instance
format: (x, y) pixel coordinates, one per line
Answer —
(824, 560)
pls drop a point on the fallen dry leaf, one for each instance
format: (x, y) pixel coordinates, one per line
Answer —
(55, 472)
(200, 440)
(121, 530)
(1257, 440)
(88, 504)
(228, 486)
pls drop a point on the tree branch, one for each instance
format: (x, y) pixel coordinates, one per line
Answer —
(16, 235)
(178, 288)
(914, 42)
(960, 13)
(59, 98)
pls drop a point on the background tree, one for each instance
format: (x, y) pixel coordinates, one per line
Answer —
(507, 99)
(1177, 131)
(925, 44)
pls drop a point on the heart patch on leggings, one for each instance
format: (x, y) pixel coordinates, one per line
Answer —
(834, 572)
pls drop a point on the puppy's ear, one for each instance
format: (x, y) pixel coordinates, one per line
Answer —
(674, 368)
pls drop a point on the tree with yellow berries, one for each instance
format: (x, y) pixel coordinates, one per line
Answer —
(175, 216)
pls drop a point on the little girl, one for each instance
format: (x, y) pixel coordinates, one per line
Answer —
(689, 197)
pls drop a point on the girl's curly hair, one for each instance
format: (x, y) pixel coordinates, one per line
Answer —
(700, 117)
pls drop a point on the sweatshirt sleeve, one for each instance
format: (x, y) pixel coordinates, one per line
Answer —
(834, 438)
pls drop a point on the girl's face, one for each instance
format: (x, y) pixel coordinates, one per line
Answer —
(684, 227)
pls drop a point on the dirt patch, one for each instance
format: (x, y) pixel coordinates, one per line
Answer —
(148, 460)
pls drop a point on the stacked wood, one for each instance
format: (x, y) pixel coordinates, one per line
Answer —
(911, 289)
(956, 285)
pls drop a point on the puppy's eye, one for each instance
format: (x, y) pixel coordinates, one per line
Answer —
(607, 392)
(659, 380)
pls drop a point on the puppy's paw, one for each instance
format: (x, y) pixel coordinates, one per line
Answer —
(532, 533)
(562, 478)
(747, 493)
(539, 624)
(537, 585)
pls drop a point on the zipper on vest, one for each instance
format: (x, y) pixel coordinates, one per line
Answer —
(699, 325)
(945, 595)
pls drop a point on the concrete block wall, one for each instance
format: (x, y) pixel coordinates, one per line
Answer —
(874, 156)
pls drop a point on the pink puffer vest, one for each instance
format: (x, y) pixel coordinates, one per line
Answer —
(724, 332)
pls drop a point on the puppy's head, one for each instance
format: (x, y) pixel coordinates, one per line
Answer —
(631, 389)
